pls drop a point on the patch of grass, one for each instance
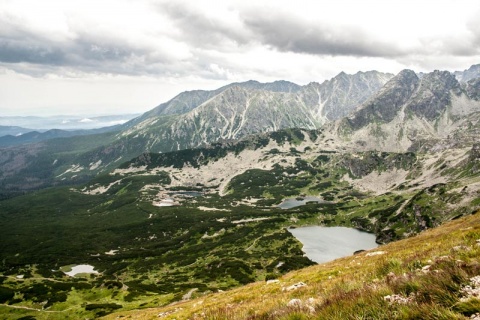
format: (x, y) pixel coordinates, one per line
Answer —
(467, 308)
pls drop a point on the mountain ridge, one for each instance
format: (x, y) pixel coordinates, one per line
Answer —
(409, 109)
(201, 117)
(316, 103)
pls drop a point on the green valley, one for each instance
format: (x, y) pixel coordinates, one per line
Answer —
(224, 231)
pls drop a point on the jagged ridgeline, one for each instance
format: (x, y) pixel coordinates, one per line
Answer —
(189, 120)
(412, 112)
(160, 221)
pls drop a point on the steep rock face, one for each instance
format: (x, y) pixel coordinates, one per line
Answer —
(434, 94)
(240, 109)
(237, 112)
(336, 98)
(411, 113)
(385, 105)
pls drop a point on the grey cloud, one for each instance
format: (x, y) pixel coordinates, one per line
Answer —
(18, 44)
(36, 54)
(282, 32)
(287, 33)
(200, 29)
(461, 46)
(15, 51)
(87, 52)
(474, 27)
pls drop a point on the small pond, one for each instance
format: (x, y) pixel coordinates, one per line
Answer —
(322, 244)
(296, 202)
(185, 193)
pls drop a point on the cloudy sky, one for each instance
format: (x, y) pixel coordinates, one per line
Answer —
(127, 56)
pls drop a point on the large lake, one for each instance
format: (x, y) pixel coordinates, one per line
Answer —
(322, 244)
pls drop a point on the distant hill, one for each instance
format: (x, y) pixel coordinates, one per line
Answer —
(61, 122)
(13, 130)
(36, 136)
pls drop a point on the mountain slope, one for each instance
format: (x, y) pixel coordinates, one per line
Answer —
(420, 115)
(12, 130)
(189, 100)
(336, 98)
(35, 136)
(410, 112)
(237, 110)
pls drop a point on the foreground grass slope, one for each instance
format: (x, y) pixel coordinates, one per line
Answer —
(433, 275)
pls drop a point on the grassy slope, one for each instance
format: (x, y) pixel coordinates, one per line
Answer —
(354, 287)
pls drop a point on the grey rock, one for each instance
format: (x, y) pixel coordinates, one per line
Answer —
(469, 74)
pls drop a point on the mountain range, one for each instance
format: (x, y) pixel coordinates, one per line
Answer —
(385, 112)
(186, 199)
(61, 122)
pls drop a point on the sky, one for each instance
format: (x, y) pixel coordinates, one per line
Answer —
(99, 57)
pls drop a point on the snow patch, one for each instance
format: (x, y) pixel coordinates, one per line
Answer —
(250, 220)
(81, 268)
(211, 209)
(100, 189)
(95, 165)
(73, 168)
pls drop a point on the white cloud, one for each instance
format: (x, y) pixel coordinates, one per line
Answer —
(108, 55)
(86, 120)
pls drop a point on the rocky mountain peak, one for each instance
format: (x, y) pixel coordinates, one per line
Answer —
(386, 103)
(275, 86)
(440, 80)
(233, 92)
(404, 76)
(337, 97)
(187, 101)
(434, 94)
(341, 76)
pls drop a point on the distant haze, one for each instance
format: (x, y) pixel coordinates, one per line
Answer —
(120, 56)
(65, 122)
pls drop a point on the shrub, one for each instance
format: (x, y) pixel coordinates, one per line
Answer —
(6, 294)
